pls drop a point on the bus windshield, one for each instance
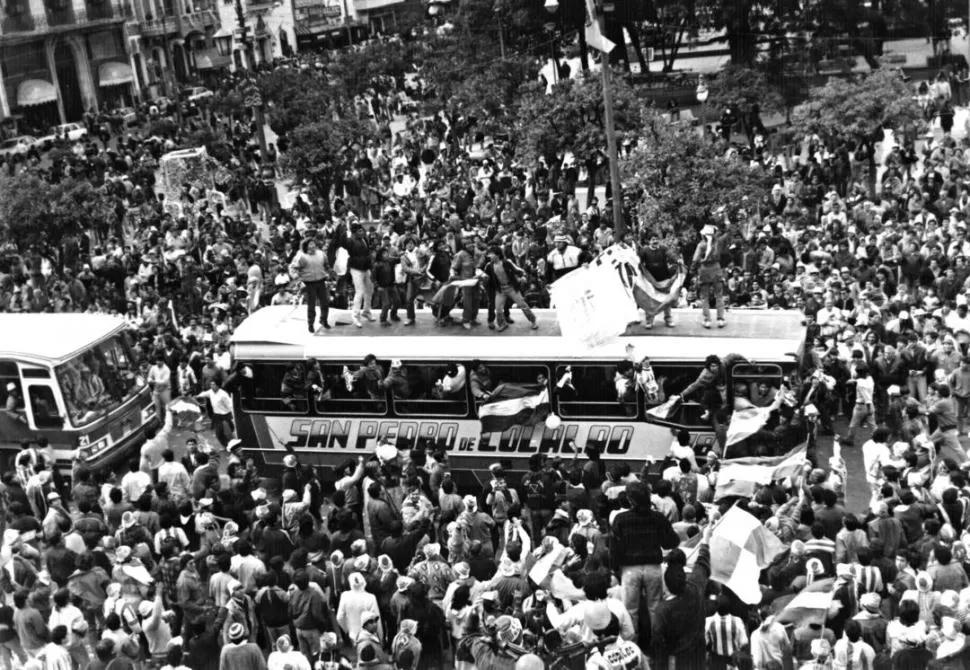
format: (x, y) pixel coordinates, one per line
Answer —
(99, 380)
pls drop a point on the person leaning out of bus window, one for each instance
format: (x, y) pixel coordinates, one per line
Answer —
(293, 386)
(310, 266)
(706, 384)
(452, 385)
(371, 375)
(14, 406)
(221, 403)
(397, 381)
(160, 382)
(482, 382)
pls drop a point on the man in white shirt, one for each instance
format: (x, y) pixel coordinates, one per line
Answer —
(564, 258)
(134, 484)
(875, 456)
(864, 411)
(221, 403)
(160, 382)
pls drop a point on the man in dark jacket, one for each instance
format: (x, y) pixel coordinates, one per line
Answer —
(504, 289)
(678, 627)
(360, 261)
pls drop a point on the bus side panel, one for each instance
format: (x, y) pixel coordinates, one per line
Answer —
(330, 441)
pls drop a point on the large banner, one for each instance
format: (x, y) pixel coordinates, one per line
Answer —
(593, 304)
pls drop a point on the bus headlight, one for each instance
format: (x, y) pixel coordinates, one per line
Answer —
(95, 448)
(147, 414)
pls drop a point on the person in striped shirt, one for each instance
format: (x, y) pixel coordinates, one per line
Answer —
(724, 634)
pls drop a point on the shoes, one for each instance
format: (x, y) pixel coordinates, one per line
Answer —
(721, 323)
(311, 329)
(358, 323)
(409, 322)
(475, 322)
(385, 324)
(466, 325)
(369, 317)
(706, 323)
(491, 326)
(535, 326)
(669, 323)
(648, 325)
(395, 317)
(509, 321)
(503, 327)
(325, 325)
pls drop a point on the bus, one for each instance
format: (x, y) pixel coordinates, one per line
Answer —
(328, 429)
(73, 379)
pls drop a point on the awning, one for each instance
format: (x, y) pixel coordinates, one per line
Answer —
(211, 60)
(114, 74)
(35, 92)
(369, 5)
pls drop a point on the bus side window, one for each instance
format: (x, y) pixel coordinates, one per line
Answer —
(9, 374)
(44, 407)
(673, 379)
(275, 389)
(755, 383)
(351, 391)
(592, 391)
(434, 390)
(519, 375)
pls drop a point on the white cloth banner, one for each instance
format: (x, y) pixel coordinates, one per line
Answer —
(593, 304)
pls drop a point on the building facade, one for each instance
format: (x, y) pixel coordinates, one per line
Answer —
(269, 31)
(62, 58)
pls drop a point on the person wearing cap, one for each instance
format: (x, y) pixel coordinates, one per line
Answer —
(58, 519)
(367, 643)
(564, 258)
(239, 653)
(13, 405)
(706, 266)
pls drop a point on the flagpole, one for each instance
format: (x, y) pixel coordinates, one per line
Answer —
(619, 225)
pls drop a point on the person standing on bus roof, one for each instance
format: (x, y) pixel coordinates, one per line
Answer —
(360, 260)
(310, 266)
(503, 277)
(706, 267)
(657, 261)
(464, 266)
(160, 382)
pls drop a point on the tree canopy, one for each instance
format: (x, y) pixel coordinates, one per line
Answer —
(683, 177)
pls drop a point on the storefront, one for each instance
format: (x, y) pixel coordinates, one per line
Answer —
(115, 81)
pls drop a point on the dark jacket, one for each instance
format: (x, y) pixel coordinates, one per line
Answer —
(359, 255)
(678, 629)
(512, 271)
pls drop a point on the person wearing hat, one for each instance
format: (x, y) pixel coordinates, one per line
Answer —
(239, 653)
(14, 403)
(367, 642)
(57, 519)
(564, 258)
(155, 626)
(706, 266)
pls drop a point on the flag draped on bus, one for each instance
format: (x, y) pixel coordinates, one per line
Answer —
(514, 405)
(738, 477)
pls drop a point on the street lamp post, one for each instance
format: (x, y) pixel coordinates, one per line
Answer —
(248, 59)
(619, 225)
(552, 6)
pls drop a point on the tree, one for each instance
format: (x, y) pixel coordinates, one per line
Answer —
(740, 87)
(858, 110)
(682, 193)
(571, 119)
(34, 211)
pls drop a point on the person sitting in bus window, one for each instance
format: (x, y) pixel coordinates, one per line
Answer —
(14, 406)
(565, 388)
(762, 394)
(482, 382)
(623, 381)
(452, 385)
(397, 381)
(315, 382)
(293, 386)
(371, 375)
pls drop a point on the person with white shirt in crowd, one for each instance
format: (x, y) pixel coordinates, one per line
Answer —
(875, 456)
(864, 412)
(160, 382)
(221, 403)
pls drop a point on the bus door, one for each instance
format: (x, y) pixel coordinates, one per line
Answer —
(14, 422)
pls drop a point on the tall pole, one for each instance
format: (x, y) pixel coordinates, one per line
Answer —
(619, 225)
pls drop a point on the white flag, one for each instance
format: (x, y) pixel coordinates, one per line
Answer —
(596, 39)
(593, 305)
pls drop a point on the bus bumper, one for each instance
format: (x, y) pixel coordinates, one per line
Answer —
(123, 449)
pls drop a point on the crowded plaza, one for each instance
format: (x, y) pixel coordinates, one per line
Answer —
(817, 517)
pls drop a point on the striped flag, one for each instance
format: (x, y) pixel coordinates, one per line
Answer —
(740, 549)
(652, 295)
(447, 294)
(514, 405)
(740, 476)
(745, 423)
(808, 606)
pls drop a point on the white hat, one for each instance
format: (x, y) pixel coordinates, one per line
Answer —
(233, 443)
(396, 363)
(708, 231)
(205, 502)
(11, 386)
(289, 461)
(289, 495)
(145, 608)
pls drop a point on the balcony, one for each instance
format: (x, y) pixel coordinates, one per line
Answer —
(159, 27)
(198, 21)
(99, 10)
(60, 16)
(16, 19)
(260, 5)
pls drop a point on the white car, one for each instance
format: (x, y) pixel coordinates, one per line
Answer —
(17, 147)
(198, 93)
(73, 132)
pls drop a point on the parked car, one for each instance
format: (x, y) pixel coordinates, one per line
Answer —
(16, 148)
(73, 132)
(126, 115)
(198, 94)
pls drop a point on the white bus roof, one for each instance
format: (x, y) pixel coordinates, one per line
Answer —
(280, 333)
(53, 338)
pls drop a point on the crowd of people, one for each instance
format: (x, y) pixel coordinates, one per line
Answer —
(193, 563)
